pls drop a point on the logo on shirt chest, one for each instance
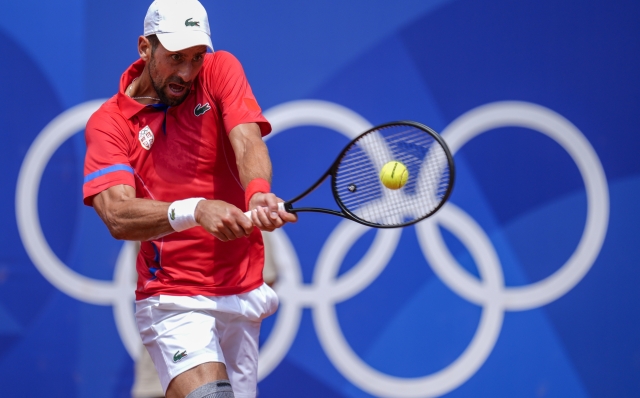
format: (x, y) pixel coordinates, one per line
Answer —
(146, 137)
(199, 110)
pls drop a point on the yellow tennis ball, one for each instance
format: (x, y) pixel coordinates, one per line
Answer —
(394, 175)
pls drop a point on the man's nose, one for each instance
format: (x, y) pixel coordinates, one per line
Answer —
(185, 70)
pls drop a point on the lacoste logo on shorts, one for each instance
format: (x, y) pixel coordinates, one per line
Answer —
(146, 137)
(201, 109)
(179, 355)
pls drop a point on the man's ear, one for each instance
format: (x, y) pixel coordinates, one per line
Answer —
(144, 48)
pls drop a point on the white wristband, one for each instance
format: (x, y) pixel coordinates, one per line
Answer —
(181, 214)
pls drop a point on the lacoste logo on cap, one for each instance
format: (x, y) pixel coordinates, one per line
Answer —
(189, 22)
(146, 137)
(201, 109)
(179, 355)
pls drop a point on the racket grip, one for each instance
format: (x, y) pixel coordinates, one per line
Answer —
(280, 207)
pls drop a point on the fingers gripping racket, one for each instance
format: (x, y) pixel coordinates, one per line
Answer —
(392, 175)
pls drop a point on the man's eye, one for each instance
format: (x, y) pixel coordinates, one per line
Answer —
(175, 57)
(197, 58)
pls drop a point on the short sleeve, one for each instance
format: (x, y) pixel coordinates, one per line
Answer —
(226, 81)
(107, 162)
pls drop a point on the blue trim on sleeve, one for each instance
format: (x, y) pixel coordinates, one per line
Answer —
(107, 170)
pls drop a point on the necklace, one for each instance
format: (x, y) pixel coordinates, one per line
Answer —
(135, 98)
(151, 98)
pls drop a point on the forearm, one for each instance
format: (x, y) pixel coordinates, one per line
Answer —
(131, 218)
(253, 163)
(138, 220)
(252, 155)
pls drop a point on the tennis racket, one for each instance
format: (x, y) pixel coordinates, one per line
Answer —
(356, 181)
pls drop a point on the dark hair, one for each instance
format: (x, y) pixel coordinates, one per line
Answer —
(153, 39)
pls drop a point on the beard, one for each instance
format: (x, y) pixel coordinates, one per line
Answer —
(162, 86)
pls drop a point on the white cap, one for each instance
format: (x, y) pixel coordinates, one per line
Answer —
(179, 24)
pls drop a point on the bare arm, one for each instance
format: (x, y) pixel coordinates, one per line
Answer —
(130, 218)
(252, 157)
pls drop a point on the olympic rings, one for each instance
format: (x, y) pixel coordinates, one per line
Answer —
(327, 289)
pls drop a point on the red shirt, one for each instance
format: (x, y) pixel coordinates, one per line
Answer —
(180, 153)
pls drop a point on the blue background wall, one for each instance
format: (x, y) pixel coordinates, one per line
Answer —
(430, 61)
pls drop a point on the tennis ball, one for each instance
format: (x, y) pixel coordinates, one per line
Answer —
(394, 175)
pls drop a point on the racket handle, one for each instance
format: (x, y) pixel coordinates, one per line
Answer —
(280, 207)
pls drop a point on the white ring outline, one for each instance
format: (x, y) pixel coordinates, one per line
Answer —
(293, 293)
(456, 373)
(558, 128)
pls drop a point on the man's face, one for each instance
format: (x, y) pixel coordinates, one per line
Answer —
(172, 72)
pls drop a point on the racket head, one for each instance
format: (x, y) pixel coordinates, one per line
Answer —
(356, 183)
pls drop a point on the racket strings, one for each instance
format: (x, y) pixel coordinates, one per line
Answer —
(361, 191)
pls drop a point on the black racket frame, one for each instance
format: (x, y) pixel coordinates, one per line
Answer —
(345, 213)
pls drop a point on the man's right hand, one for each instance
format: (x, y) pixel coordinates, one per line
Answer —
(223, 220)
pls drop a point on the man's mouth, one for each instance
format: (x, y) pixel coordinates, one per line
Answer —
(177, 89)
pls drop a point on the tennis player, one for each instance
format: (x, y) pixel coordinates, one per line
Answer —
(173, 160)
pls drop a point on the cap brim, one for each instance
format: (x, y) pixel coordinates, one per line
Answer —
(181, 40)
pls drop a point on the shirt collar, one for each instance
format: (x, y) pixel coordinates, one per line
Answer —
(128, 106)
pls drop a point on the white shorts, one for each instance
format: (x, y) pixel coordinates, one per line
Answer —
(181, 332)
